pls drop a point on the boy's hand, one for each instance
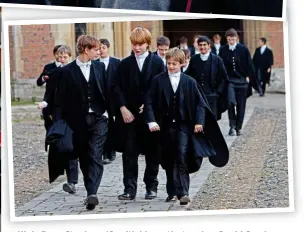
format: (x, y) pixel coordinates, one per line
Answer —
(198, 128)
(155, 128)
(126, 114)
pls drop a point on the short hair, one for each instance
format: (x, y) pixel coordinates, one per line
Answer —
(203, 39)
(183, 40)
(141, 35)
(177, 55)
(187, 53)
(86, 41)
(231, 32)
(64, 49)
(105, 42)
(56, 48)
(163, 40)
(217, 36)
(264, 40)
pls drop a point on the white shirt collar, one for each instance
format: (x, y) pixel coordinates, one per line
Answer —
(58, 64)
(263, 47)
(174, 75)
(83, 64)
(217, 46)
(142, 56)
(197, 52)
(232, 47)
(104, 59)
(205, 57)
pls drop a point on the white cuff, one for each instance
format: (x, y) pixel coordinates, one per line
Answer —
(152, 124)
(44, 103)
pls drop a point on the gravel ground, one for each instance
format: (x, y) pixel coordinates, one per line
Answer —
(257, 175)
(30, 159)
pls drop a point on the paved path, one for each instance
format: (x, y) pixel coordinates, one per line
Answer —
(57, 202)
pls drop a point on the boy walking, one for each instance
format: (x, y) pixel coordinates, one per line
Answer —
(179, 115)
(133, 79)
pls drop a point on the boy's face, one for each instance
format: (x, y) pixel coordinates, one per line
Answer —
(162, 50)
(104, 51)
(173, 66)
(183, 45)
(63, 58)
(261, 43)
(139, 49)
(92, 53)
(217, 40)
(204, 47)
(231, 40)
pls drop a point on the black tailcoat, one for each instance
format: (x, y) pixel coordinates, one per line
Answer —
(129, 88)
(48, 68)
(263, 62)
(218, 78)
(210, 144)
(69, 105)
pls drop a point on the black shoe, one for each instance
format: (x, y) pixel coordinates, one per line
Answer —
(231, 132)
(184, 200)
(113, 156)
(91, 202)
(150, 194)
(171, 199)
(126, 197)
(69, 188)
(106, 161)
(238, 132)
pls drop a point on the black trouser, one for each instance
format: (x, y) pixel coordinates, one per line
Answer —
(90, 161)
(137, 137)
(178, 179)
(72, 171)
(261, 83)
(212, 100)
(109, 147)
(236, 118)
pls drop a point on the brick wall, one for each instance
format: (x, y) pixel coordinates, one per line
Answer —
(274, 34)
(35, 45)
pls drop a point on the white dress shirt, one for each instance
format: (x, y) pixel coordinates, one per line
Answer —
(232, 47)
(217, 48)
(204, 57)
(163, 58)
(174, 79)
(263, 48)
(197, 52)
(186, 67)
(58, 64)
(105, 61)
(141, 59)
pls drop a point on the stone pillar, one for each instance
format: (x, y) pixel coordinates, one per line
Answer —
(157, 30)
(253, 30)
(64, 34)
(122, 44)
(102, 30)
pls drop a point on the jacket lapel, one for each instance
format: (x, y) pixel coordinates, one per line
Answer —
(148, 66)
(75, 70)
(166, 84)
(98, 78)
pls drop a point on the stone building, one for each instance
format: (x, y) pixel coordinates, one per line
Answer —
(31, 45)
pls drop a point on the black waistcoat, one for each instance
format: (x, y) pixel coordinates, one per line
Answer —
(206, 76)
(233, 65)
(91, 94)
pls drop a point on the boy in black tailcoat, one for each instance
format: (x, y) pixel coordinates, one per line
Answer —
(179, 116)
